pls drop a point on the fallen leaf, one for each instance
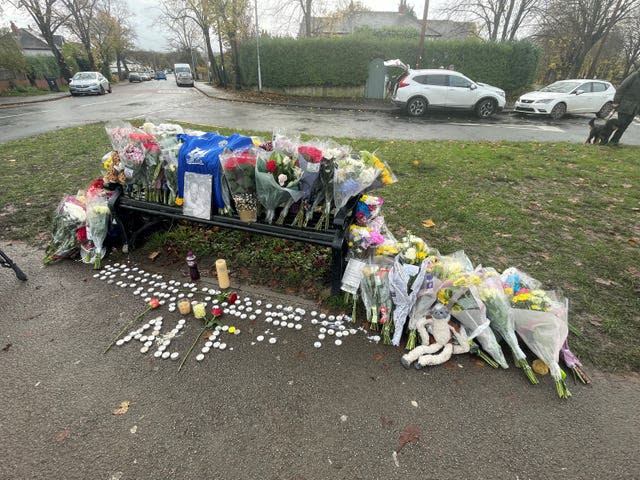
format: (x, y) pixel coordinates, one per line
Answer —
(633, 241)
(409, 434)
(428, 223)
(378, 356)
(606, 282)
(153, 255)
(63, 435)
(122, 409)
(300, 355)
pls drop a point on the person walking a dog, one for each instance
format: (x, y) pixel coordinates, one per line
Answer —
(627, 102)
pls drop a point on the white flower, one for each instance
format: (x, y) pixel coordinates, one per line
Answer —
(282, 179)
(410, 254)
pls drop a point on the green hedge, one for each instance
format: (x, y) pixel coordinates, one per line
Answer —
(343, 61)
(41, 66)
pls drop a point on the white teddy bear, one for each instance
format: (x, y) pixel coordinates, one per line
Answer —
(440, 351)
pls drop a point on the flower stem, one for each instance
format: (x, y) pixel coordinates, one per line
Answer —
(581, 375)
(411, 340)
(125, 329)
(476, 350)
(193, 345)
(522, 363)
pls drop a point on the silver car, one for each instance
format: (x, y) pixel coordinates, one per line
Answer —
(85, 83)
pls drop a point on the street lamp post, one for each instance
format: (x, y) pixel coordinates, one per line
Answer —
(258, 49)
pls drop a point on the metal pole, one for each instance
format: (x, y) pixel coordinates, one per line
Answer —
(258, 49)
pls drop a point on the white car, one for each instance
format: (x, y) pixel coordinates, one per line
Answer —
(84, 83)
(569, 96)
(418, 90)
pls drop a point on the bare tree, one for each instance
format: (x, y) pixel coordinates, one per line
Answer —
(81, 13)
(630, 30)
(48, 17)
(112, 34)
(498, 19)
(235, 24)
(201, 13)
(298, 15)
(573, 28)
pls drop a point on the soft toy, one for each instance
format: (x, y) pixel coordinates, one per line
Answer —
(440, 351)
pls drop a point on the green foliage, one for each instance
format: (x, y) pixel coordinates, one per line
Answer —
(41, 66)
(76, 57)
(343, 61)
(11, 56)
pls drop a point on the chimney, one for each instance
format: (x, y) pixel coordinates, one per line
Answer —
(14, 29)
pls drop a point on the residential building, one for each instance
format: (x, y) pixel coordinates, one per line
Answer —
(32, 43)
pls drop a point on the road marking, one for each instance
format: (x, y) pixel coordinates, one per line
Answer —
(22, 114)
(544, 128)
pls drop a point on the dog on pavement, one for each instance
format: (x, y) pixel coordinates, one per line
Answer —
(600, 134)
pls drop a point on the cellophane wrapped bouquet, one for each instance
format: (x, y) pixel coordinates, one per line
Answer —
(528, 291)
(277, 176)
(460, 293)
(323, 196)
(376, 295)
(500, 315)
(310, 158)
(352, 175)
(541, 321)
(70, 216)
(98, 221)
(240, 172)
(405, 278)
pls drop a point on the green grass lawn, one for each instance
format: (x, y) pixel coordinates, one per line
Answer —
(567, 214)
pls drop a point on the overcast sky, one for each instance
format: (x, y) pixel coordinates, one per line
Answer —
(152, 36)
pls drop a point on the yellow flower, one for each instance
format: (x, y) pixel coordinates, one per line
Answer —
(364, 197)
(443, 296)
(107, 164)
(508, 290)
(179, 201)
(199, 310)
(232, 329)
(421, 255)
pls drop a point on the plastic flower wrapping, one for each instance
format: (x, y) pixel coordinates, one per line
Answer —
(98, 221)
(376, 295)
(352, 175)
(277, 176)
(69, 217)
(310, 157)
(460, 293)
(500, 315)
(240, 173)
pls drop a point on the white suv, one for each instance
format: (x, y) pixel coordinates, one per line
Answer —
(417, 90)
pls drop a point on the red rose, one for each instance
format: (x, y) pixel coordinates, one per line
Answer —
(230, 163)
(246, 159)
(232, 298)
(217, 312)
(154, 303)
(271, 166)
(311, 154)
(81, 234)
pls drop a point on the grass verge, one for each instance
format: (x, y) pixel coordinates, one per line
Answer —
(565, 213)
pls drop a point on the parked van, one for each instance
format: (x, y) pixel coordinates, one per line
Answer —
(182, 72)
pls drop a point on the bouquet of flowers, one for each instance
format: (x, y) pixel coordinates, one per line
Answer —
(98, 220)
(376, 295)
(363, 241)
(527, 292)
(368, 208)
(386, 177)
(310, 158)
(128, 142)
(461, 296)
(541, 321)
(405, 280)
(166, 183)
(69, 217)
(332, 153)
(277, 176)
(240, 173)
(352, 175)
(500, 316)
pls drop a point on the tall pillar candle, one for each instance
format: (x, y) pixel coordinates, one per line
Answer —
(223, 274)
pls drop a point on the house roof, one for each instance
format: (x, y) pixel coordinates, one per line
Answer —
(435, 28)
(33, 41)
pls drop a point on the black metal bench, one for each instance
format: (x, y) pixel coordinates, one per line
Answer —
(124, 210)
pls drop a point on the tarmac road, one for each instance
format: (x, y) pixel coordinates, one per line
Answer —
(273, 411)
(161, 100)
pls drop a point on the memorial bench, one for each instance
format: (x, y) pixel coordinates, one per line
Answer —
(134, 217)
